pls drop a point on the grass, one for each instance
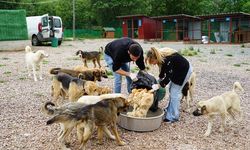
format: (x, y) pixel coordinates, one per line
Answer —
(2, 65)
(244, 63)
(5, 58)
(247, 69)
(229, 55)
(7, 72)
(45, 62)
(189, 51)
(237, 65)
(1, 81)
(22, 78)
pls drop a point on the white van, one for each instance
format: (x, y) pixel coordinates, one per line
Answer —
(44, 29)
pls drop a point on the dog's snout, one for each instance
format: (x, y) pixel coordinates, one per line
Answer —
(197, 112)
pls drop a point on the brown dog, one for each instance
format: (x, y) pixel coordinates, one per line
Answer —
(226, 104)
(102, 70)
(90, 75)
(101, 114)
(93, 55)
(66, 85)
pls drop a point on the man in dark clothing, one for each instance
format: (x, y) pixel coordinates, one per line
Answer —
(118, 54)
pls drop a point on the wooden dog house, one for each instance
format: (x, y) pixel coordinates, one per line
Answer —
(108, 32)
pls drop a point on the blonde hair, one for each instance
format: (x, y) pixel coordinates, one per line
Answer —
(159, 54)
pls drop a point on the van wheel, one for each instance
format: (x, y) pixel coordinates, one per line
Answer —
(35, 41)
(59, 42)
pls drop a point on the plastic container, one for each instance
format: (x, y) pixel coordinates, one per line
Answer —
(54, 42)
(151, 122)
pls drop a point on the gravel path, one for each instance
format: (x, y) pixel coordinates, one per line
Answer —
(22, 125)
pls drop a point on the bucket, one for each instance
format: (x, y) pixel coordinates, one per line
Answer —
(54, 42)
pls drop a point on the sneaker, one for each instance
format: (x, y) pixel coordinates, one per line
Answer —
(166, 120)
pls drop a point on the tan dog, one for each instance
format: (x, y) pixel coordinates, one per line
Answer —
(226, 104)
(33, 60)
(141, 100)
(104, 90)
(65, 85)
(101, 114)
(188, 90)
(102, 70)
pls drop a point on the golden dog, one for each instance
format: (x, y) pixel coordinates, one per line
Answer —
(141, 100)
(104, 90)
(226, 104)
(66, 85)
(101, 114)
(188, 90)
(90, 75)
(102, 70)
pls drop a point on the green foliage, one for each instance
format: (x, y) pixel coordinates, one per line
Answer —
(92, 13)
(188, 52)
(237, 65)
(134, 69)
(229, 55)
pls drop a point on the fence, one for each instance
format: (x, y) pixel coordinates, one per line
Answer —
(90, 33)
(13, 25)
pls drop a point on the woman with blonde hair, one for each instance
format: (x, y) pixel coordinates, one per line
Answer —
(174, 70)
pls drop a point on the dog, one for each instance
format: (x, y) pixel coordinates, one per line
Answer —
(90, 75)
(93, 55)
(102, 70)
(188, 90)
(226, 104)
(101, 114)
(103, 90)
(33, 60)
(141, 100)
(65, 85)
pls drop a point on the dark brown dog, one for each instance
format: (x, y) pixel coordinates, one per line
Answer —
(102, 70)
(89, 75)
(65, 85)
(101, 114)
(93, 55)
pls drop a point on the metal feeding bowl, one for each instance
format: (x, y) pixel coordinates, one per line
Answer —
(151, 122)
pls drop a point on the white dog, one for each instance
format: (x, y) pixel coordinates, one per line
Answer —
(33, 60)
(225, 105)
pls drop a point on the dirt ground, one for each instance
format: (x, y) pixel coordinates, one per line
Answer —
(23, 125)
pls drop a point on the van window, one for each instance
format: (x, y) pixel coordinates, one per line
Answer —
(57, 23)
(45, 21)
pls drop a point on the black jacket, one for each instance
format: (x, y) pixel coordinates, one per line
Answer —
(174, 68)
(118, 51)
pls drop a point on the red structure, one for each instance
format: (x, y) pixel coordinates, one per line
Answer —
(139, 26)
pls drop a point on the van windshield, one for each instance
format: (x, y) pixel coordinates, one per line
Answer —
(57, 23)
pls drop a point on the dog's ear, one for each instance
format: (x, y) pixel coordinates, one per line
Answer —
(81, 76)
(203, 109)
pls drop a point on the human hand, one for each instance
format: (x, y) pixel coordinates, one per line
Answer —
(155, 87)
(133, 76)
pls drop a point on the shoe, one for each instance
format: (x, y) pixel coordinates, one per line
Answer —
(166, 120)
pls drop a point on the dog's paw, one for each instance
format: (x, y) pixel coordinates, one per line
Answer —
(121, 143)
(206, 134)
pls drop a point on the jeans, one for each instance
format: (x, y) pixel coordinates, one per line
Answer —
(175, 91)
(118, 77)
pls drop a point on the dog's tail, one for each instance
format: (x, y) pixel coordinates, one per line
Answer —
(49, 111)
(192, 80)
(238, 86)
(55, 70)
(28, 49)
(101, 50)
